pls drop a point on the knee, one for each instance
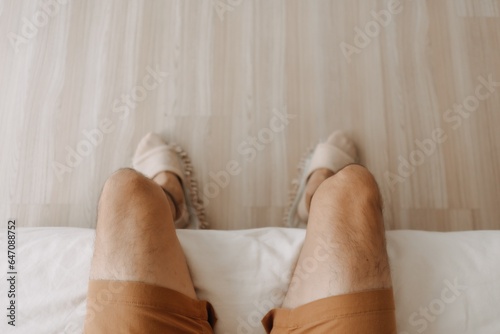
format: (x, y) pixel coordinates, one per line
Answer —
(124, 181)
(352, 185)
(129, 200)
(126, 185)
(351, 204)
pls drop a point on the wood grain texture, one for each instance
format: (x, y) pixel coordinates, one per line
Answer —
(222, 74)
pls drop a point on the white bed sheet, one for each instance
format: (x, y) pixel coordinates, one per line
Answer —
(443, 282)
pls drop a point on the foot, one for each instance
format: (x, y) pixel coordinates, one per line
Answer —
(170, 167)
(328, 158)
(173, 187)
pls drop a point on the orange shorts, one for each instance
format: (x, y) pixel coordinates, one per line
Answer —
(134, 307)
(356, 313)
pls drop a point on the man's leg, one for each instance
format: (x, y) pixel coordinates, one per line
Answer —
(344, 250)
(136, 245)
(346, 217)
(135, 235)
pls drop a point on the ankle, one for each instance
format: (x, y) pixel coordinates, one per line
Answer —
(173, 208)
(173, 188)
(317, 177)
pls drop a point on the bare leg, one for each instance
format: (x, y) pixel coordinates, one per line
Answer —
(135, 234)
(344, 250)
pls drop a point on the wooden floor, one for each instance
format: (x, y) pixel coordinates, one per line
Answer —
(82, 81)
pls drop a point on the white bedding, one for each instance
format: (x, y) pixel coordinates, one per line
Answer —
(443, 282)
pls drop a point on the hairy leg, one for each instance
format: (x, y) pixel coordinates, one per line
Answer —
(135, 235)
(344, 250)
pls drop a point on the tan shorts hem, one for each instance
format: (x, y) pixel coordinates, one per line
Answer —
(135, 307)
(363, 312)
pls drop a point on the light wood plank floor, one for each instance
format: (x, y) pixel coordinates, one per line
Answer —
(409, 84)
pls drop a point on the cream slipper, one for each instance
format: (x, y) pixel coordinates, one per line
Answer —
(153, 156)
(334, 154)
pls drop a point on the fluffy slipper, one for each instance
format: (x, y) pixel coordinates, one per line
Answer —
(334, 154)
(153, 156)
